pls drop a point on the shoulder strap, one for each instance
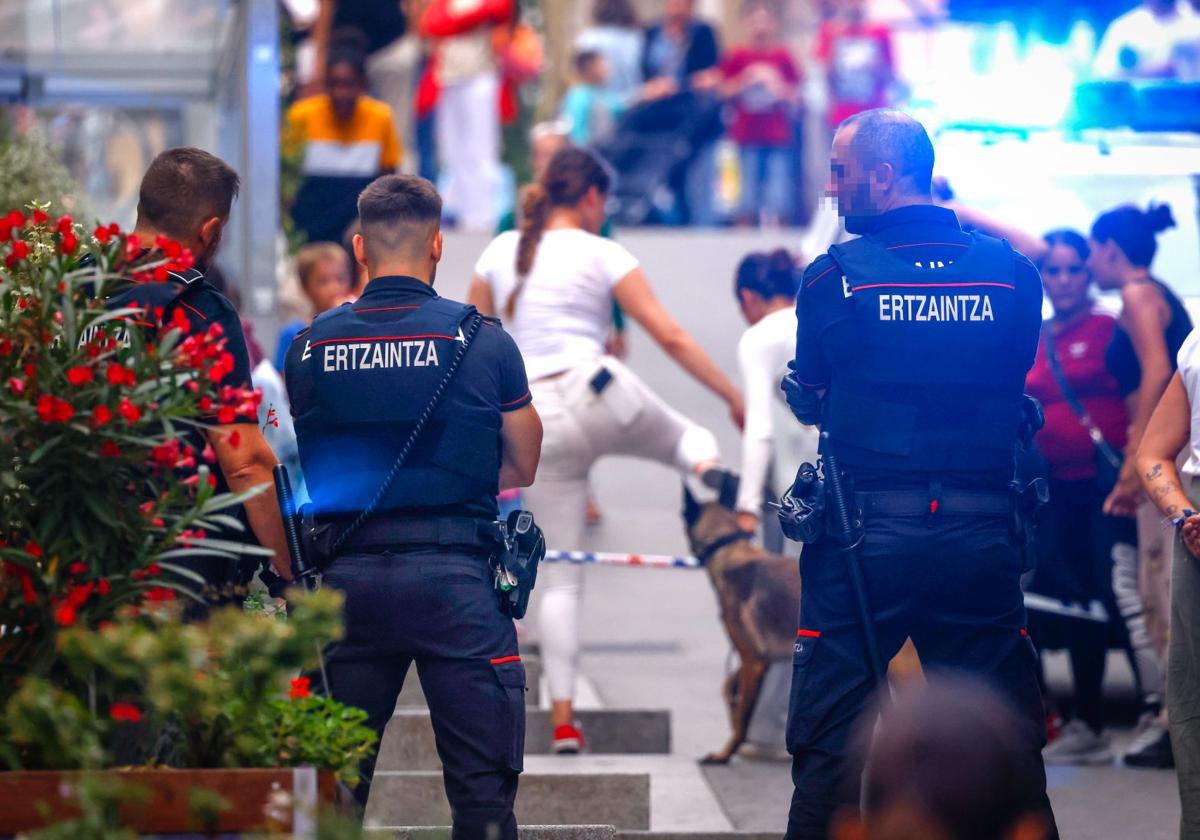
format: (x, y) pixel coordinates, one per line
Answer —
(422, 420)
(1106, 449)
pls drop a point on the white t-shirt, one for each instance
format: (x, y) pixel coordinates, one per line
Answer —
(1189, 370)
(771, 432)
(1139, 43)
(564, 310)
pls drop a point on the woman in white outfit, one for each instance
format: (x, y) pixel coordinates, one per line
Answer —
(554, 282)
(773, 441)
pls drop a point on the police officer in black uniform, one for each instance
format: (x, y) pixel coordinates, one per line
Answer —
(186, 196)
(912, 348)
(415, 574)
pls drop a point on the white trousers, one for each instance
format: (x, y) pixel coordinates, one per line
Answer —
(581, 426)
(468, 138)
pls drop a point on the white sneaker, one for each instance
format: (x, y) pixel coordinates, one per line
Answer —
(1151, 746)
(1078, 744)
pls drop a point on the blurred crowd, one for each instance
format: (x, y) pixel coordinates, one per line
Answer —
(701, 129)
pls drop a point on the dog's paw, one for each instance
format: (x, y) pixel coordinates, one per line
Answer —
(715, 759)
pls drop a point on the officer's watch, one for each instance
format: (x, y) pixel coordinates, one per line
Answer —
(1178, 521)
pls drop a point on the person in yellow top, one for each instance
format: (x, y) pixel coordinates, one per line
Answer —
(348, 140)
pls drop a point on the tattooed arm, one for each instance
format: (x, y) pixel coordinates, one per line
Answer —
(1165, 437)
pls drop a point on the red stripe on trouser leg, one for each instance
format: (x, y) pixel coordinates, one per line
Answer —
(504, 659)
(810, 634)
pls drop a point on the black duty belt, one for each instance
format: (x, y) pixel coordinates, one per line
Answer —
(434, 532)
(883, 503)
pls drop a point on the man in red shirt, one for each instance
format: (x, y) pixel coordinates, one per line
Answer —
(858, 61)
(763, 84)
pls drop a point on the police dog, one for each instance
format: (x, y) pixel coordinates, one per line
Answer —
(759, 596)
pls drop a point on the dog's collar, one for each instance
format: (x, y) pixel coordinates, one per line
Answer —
(721, 542)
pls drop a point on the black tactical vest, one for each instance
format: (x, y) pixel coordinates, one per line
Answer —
(371, 381)
(924, 376)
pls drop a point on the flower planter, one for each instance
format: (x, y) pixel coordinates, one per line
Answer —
(282, 800)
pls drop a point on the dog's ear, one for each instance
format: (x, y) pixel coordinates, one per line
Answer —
(691, 508)
(729, 491)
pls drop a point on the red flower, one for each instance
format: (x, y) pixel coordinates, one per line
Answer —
(101, 414)
(80, 375)
(6, 230)
(65, 615)
(104, 234)
(16, 385)
(118, 374)
(20, 250)
(39, 216)
(68, 243)
(166, 454)
(54, 409)
(125, 712)
(206, 403)
(33, 549)
(226, 415)
(15, 218)
(28, 592)
(133, 247)
(300, 688)
(160, 594)
(109, 449)
(103, 587)
(130, 412)
(77, 568)
(5, 347)
(64, 224)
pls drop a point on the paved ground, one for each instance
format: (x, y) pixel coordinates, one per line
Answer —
(652, 638)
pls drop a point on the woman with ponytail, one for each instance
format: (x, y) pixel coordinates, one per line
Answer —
(1143, 358)
(553, 283)
(765, 288)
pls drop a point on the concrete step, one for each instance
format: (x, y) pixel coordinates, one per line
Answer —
(408, 740)
(617, 799)
(412, 697)
(524, 832)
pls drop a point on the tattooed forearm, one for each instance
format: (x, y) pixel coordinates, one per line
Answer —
(1155, 472)
(1161, 492)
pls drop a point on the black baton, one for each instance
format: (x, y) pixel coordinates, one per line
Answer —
(848, 540)
(306, 574)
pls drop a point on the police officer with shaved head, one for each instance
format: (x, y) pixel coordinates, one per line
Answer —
(912, 347)
(412, 413)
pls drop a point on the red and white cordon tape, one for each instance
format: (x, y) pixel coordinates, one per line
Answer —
(1093, 611)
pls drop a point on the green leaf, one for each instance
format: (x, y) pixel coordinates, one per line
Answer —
(181, 571)
(44, 448)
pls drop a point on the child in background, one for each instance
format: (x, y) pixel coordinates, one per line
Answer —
(324, 273)
(857, 56)
(763, 83)
(589, 106)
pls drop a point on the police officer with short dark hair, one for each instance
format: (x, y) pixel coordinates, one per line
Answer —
(186, 196)
(912, 347)
(415, 572)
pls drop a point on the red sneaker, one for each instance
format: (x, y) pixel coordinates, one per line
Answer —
(568, 740)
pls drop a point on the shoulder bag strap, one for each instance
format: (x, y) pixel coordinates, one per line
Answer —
(426, 413)
(1106, 449)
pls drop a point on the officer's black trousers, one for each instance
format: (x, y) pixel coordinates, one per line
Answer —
(439, 610)
(952, 583)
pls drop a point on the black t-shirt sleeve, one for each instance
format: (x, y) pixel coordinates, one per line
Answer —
(514, 384)
(206, 307)
(297, 374)
(1029, 310)
(816, 308)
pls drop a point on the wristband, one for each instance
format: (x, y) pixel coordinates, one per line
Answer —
(1183, 517)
